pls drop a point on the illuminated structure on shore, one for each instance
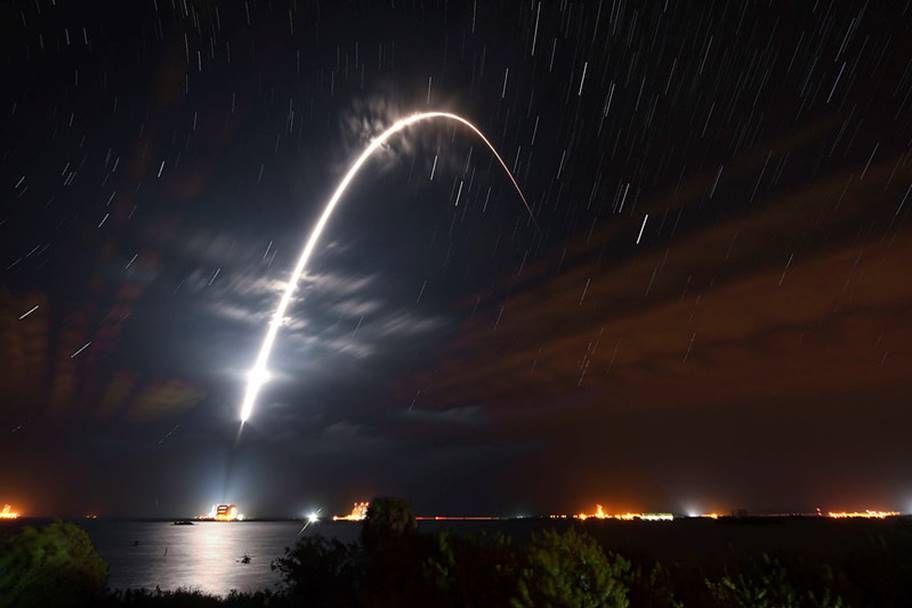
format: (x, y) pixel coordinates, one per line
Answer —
(228, 512)
(8, 513)
(359, 513)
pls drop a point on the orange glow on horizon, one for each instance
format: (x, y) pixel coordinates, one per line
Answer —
(8, 513)
(359, 513)
(627, 516)
(867, 514)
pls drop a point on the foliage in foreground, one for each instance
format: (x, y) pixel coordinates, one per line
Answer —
(56, 565)
(139, 598)
(321, 571)
(570, 569)
(767, 585)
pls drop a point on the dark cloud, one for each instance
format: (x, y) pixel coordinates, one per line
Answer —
(802, 292)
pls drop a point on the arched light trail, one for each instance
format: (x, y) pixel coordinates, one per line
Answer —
(259, 373)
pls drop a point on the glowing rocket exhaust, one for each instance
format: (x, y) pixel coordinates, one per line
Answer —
(259, 374)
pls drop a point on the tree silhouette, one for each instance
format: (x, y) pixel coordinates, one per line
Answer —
(389, 521)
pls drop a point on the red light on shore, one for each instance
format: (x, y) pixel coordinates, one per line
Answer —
(8, 513)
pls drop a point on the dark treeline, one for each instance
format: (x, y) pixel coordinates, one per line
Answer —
(394, 565)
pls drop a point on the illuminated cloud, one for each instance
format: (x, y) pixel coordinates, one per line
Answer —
(165, 398)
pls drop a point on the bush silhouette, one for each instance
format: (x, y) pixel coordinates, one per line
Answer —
(652, 587)
(52, 566)
(571, 570)
(471, 570)
(142, 598)
(325, 572)
(768, 585)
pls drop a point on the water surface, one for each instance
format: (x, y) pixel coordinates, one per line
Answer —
(206, 556)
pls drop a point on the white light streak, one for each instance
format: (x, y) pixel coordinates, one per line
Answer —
(28, 312)
(258, 374)
(583, 79)
(84, 346)
(642, 228)
(833, 90)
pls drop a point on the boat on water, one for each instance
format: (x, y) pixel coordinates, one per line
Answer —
(183, 522)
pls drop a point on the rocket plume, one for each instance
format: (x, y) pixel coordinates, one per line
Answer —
(259, 374)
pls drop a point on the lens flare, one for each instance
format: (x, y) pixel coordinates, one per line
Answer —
(259, 373)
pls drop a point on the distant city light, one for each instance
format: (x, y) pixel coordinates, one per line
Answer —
(862, 514)
(698, 515)
(229, 512)
(601, 514)
(8, 513)
(457, 518)
(656, 516)
(359, 513)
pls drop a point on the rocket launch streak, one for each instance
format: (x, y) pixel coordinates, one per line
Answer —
(259, 374)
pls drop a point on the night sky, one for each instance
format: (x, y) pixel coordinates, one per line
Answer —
(712, 313)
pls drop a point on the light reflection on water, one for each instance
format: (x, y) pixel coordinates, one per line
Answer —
(205, 556)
